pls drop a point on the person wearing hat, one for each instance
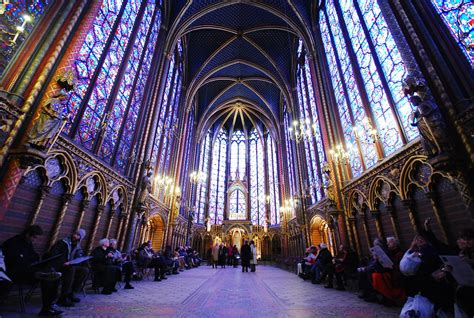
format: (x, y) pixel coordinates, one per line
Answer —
(73, 275)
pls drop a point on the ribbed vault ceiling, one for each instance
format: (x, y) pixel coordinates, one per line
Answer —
(239, 52)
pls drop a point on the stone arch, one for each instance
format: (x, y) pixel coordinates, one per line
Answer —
(157, 231)
(320, 232)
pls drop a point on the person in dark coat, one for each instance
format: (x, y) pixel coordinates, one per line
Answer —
(102, 264)
(73, 276)
(122, 261)
(236, 255)
(222, 255)
(19, 257)
(245, 254)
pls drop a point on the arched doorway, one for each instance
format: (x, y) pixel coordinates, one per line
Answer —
(157, 229)
(237, 235)
(320, 232)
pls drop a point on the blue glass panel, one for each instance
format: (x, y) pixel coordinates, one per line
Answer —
(88, 59)
(391, 61)
(385, 121)
(94, 111)
(458, 15)
(126, 86)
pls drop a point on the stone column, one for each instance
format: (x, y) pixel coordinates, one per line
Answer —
(100, 210)
(44, 191)
(434, 204)
(84, 206)
(393, 220)
(59, 221)
(376, 216)
(408, 204)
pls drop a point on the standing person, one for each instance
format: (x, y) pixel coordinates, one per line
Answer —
(253, 256)
(230, 254)
(73, 275)
(222, 255)
(215, 255)
(236, 255)
(245, 255)
(19, 257)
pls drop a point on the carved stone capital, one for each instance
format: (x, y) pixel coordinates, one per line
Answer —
(67, 197)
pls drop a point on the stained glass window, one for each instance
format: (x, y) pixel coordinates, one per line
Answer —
(126, 142)
(289, 155)
(113, 66)
(201, 194)
(17, 14)
(458, 15)
(119, 110)
(257, 179)
(237, 205)
(273, 181)
(314, 147)
(217, 185)
(359, 27)
(167, 126)
(237, 155)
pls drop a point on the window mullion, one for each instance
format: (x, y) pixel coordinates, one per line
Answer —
(135, 81)
(379, 68)
(98, 69)
(358, 77)
(346, 95)
(313, 140)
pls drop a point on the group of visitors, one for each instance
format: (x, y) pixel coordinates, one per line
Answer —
(65, 265)
(394, 277)
(221, 254)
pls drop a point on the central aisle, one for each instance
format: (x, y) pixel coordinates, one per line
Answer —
(207, 292)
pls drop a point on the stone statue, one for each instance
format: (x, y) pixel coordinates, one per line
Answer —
(145, 189)
(49, 123)
(427, 118)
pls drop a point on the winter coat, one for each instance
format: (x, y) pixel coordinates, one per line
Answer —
(253, 255)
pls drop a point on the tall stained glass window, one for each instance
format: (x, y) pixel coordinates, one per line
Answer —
(237, 155)
(289, 156)
(217, 182)
(366, 70)
(17, 13)
(273, 181)
(201, 191)
(167, 126)
(458, 15)
(257, 179)
(314, 148)
(113, 66)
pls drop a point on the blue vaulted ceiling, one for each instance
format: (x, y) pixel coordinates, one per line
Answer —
(240, 50)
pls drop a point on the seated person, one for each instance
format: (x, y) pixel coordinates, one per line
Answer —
(19, 257)
(103, 267)
(340, 263)
(73, 276)
(365, 274)
(119, 259)
(389, 282)
(323, 266)
(172, 265)
(308, 261)
(147, 258)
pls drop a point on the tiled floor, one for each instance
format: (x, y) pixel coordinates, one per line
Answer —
(207, 292)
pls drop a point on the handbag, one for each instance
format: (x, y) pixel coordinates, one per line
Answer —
(417, 307)
(409, 264)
